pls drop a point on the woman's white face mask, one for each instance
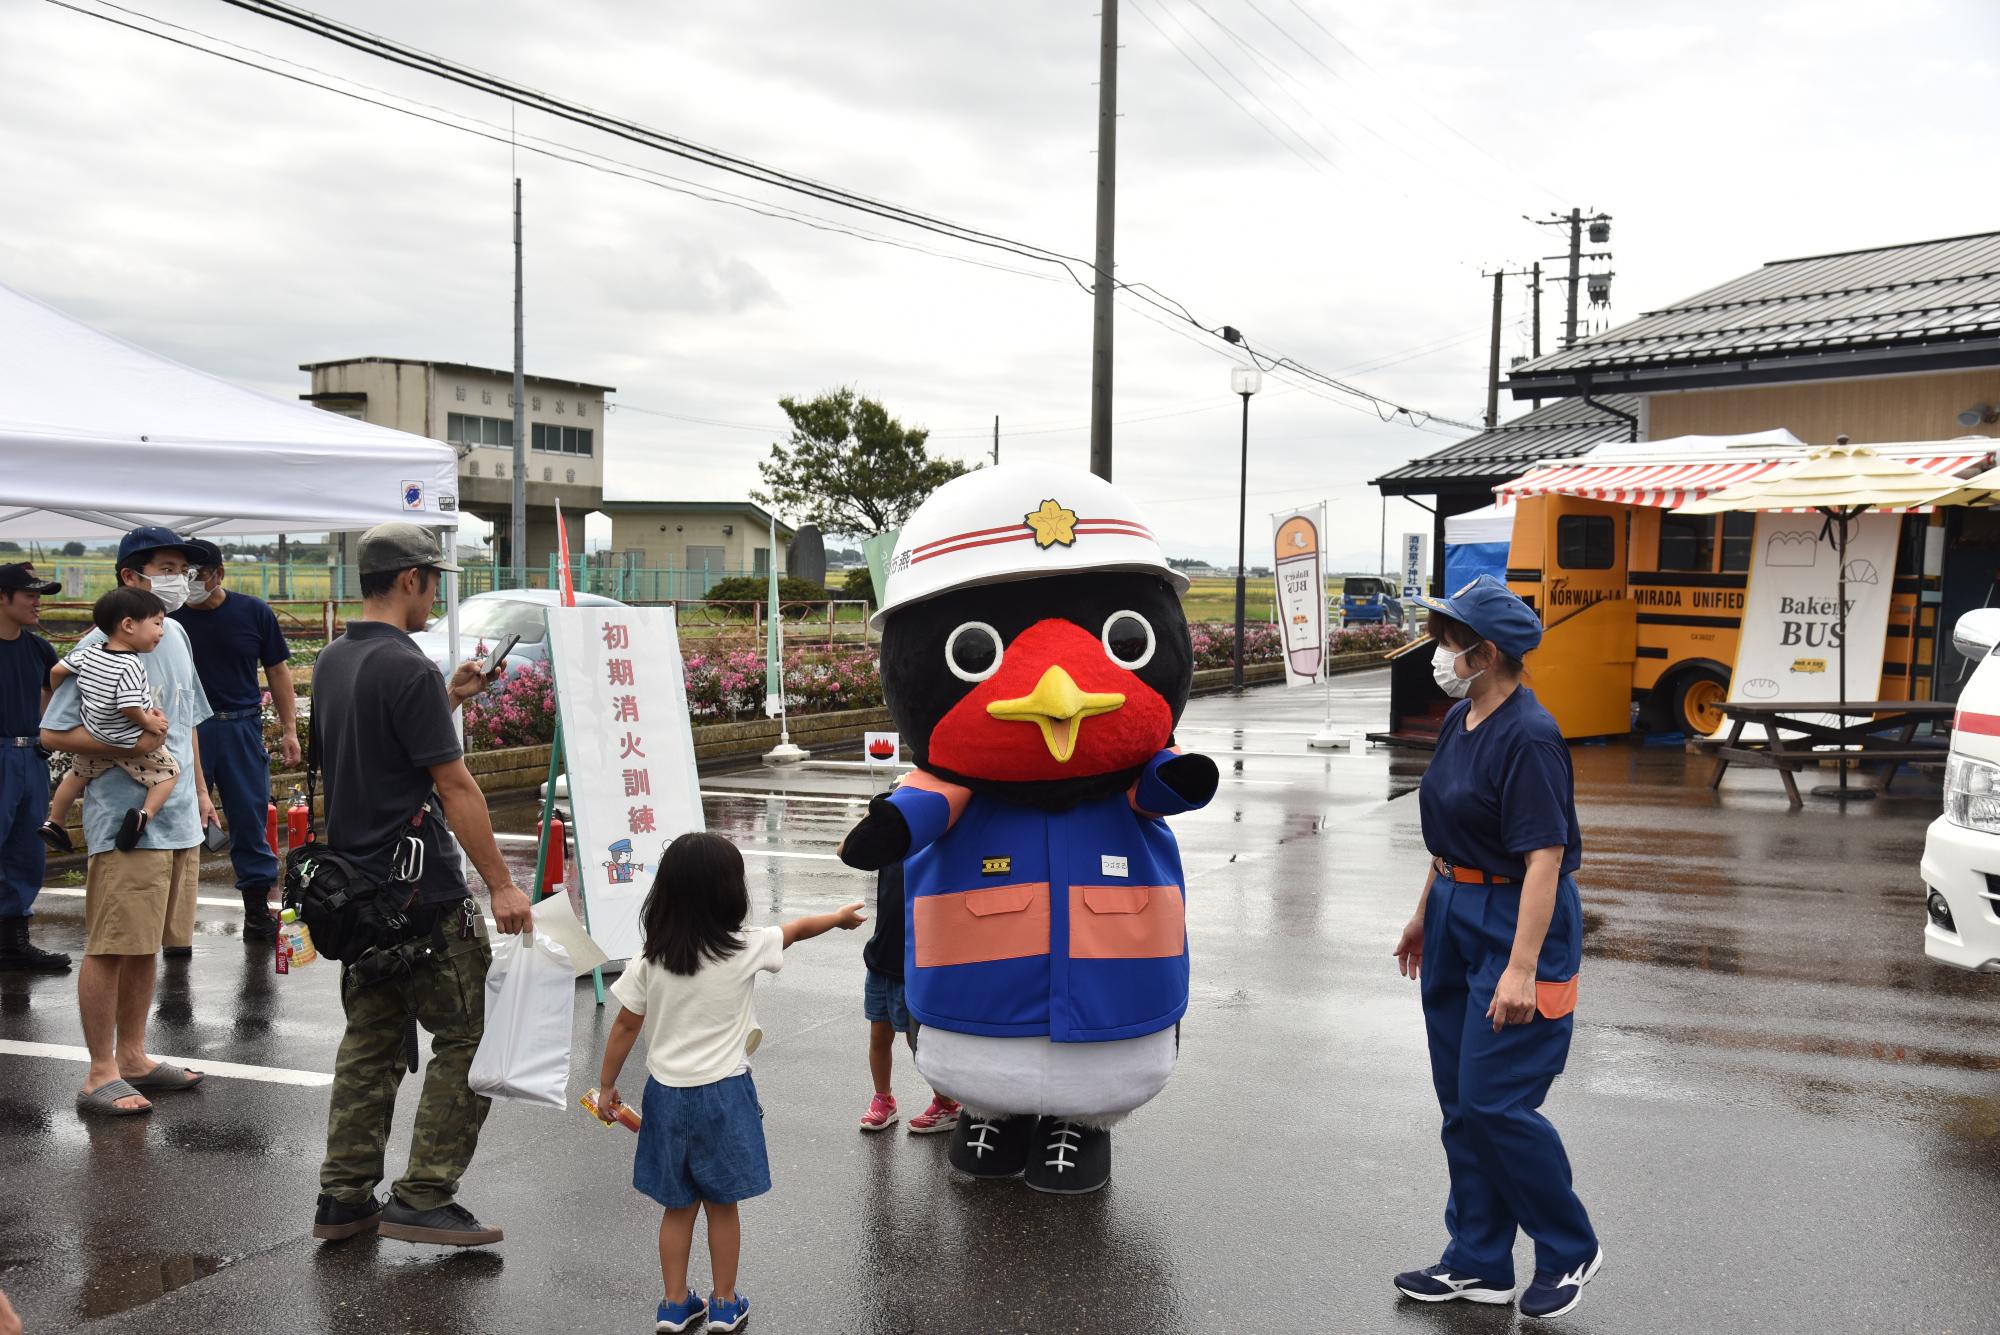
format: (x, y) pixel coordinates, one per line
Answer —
(1444, 670)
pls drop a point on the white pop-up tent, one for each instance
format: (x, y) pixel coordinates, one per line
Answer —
(98, 436)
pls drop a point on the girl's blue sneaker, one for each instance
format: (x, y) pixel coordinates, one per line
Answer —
(727, 1315)
(683, 1315)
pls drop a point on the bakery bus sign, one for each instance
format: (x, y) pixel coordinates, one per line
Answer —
(629, 751)
(1790, 644)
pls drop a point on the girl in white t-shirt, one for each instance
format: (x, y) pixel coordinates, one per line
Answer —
(701, 1133)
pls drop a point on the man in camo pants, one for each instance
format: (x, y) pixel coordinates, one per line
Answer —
(396, 789)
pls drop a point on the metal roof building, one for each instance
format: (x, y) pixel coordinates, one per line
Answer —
(1560, 430)
(1925, 306)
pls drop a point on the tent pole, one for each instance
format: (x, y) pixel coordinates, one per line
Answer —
(452, 647)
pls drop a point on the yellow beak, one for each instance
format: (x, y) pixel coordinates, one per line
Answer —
(1059, 708)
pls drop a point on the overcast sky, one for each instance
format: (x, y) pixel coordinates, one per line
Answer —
(1329, 178)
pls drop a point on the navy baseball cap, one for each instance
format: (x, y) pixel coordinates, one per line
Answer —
(207, 554)
(1489, 608)
(136, 546)
(20, 577)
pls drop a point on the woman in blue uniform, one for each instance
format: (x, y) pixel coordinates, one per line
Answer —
(1496, 940)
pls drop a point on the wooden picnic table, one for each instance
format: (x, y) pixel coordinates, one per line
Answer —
(1861, 740)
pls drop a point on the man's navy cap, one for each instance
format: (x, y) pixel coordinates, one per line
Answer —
(207, 554)
(1489, 608)
(136, 546)
(20, 577)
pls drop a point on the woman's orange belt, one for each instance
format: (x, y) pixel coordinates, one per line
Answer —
(1468, 875)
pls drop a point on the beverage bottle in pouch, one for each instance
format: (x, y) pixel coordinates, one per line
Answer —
(298, 946)
(626, 1115)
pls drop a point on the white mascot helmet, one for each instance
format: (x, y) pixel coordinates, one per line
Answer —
(1018, 521)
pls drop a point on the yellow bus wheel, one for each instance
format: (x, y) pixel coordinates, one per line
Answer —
(1698, 702)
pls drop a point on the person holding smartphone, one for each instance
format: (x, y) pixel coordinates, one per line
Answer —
(395, 775)
(1496, 942)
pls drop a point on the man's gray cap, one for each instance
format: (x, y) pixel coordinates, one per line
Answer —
(391, 547)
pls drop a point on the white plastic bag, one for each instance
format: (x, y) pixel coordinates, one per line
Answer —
(530, 1000)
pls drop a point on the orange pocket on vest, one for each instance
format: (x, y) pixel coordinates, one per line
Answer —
(1555, 1000)
(1002, 922)
(1126, 922)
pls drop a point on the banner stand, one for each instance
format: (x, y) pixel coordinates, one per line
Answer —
(542, 842)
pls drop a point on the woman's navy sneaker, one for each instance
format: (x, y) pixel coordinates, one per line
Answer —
(1553, 1294)
(1441, 1284)
(727, 1315)
(686, 1314)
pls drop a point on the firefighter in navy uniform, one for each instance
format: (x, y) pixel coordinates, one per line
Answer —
(25, 660)
(1496, 942)
(1036, 657)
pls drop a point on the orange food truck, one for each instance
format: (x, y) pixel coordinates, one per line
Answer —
(1643, 606)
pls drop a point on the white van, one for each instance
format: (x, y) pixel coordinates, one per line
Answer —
(1962, 850)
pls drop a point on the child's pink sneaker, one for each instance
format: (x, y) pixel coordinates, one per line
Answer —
(881, 1114)
(942, 1115)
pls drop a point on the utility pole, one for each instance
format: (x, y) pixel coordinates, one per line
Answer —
(1493, 357)
(519, 541)
(1537, 285)
(1600, 231)
(1107, 179)
(996, 438)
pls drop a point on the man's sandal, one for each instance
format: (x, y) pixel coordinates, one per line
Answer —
(103, 1100)
(166, 1078)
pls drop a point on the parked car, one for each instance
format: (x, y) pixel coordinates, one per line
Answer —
(1365, 599)
(1961, 866)
(485, 619)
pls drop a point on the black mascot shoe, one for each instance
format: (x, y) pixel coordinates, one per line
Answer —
(1069, 1158)
(991, 1146)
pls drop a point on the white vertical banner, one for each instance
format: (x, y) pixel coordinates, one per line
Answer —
(629, 752)
(1300, 571)
(1789, 648)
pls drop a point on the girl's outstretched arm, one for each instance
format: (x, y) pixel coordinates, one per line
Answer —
(804, 929)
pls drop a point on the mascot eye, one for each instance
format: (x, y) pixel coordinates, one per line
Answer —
(973, 651)
(1128, 639)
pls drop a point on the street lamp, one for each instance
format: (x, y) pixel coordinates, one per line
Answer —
(1244, 380)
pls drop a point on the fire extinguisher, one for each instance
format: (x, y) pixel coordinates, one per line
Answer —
(553, 875)
(298, 821)
(271, 826)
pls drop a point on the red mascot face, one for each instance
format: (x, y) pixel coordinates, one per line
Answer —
(1046, 691)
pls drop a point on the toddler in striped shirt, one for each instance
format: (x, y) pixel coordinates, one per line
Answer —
(117, 709)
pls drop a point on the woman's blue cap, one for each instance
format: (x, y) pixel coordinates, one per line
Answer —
(1496, 614)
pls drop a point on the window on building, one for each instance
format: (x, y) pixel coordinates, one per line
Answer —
(1739, 530)
(760, 561)
(1585, 542)
(467, 429)
(551, 439)
(1687, 542)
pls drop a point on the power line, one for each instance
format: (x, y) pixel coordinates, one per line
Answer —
(423, 62)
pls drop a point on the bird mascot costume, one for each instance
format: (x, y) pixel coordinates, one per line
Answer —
(1036, 658)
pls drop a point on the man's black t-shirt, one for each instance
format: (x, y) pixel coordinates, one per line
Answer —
(383, 718)
(25, 661)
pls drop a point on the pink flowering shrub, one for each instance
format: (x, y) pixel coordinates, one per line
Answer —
(1375, 637)
(518, 710)
(1215, 642)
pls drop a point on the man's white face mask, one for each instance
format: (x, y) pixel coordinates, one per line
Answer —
(170, 589)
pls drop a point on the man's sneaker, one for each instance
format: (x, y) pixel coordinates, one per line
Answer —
(447, 1226)
(1440, 1284)
(881, 1114)
(56, 837)
(334, 1220)
(683, 1315)
(727, 1315)
(1553, 1294)
(942, 1115)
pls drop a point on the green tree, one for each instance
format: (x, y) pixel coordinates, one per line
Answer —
(73, 549)
(10, 547)
(849, 466)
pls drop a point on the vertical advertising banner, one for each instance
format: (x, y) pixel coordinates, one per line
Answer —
(629, 751)
(1413, 563)
(1300, 571)
(1790, 644)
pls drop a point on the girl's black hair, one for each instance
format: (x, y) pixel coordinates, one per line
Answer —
(1455, 634)
(697, 905)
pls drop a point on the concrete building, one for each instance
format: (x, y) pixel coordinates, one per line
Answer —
(472, 408)
(720, 537)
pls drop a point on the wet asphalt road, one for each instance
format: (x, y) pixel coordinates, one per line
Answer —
(1782, 1117)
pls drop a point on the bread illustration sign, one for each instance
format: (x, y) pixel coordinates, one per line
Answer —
(1301, 593)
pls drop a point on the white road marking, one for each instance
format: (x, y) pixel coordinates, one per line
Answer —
(785, 853)
(271, 1075)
